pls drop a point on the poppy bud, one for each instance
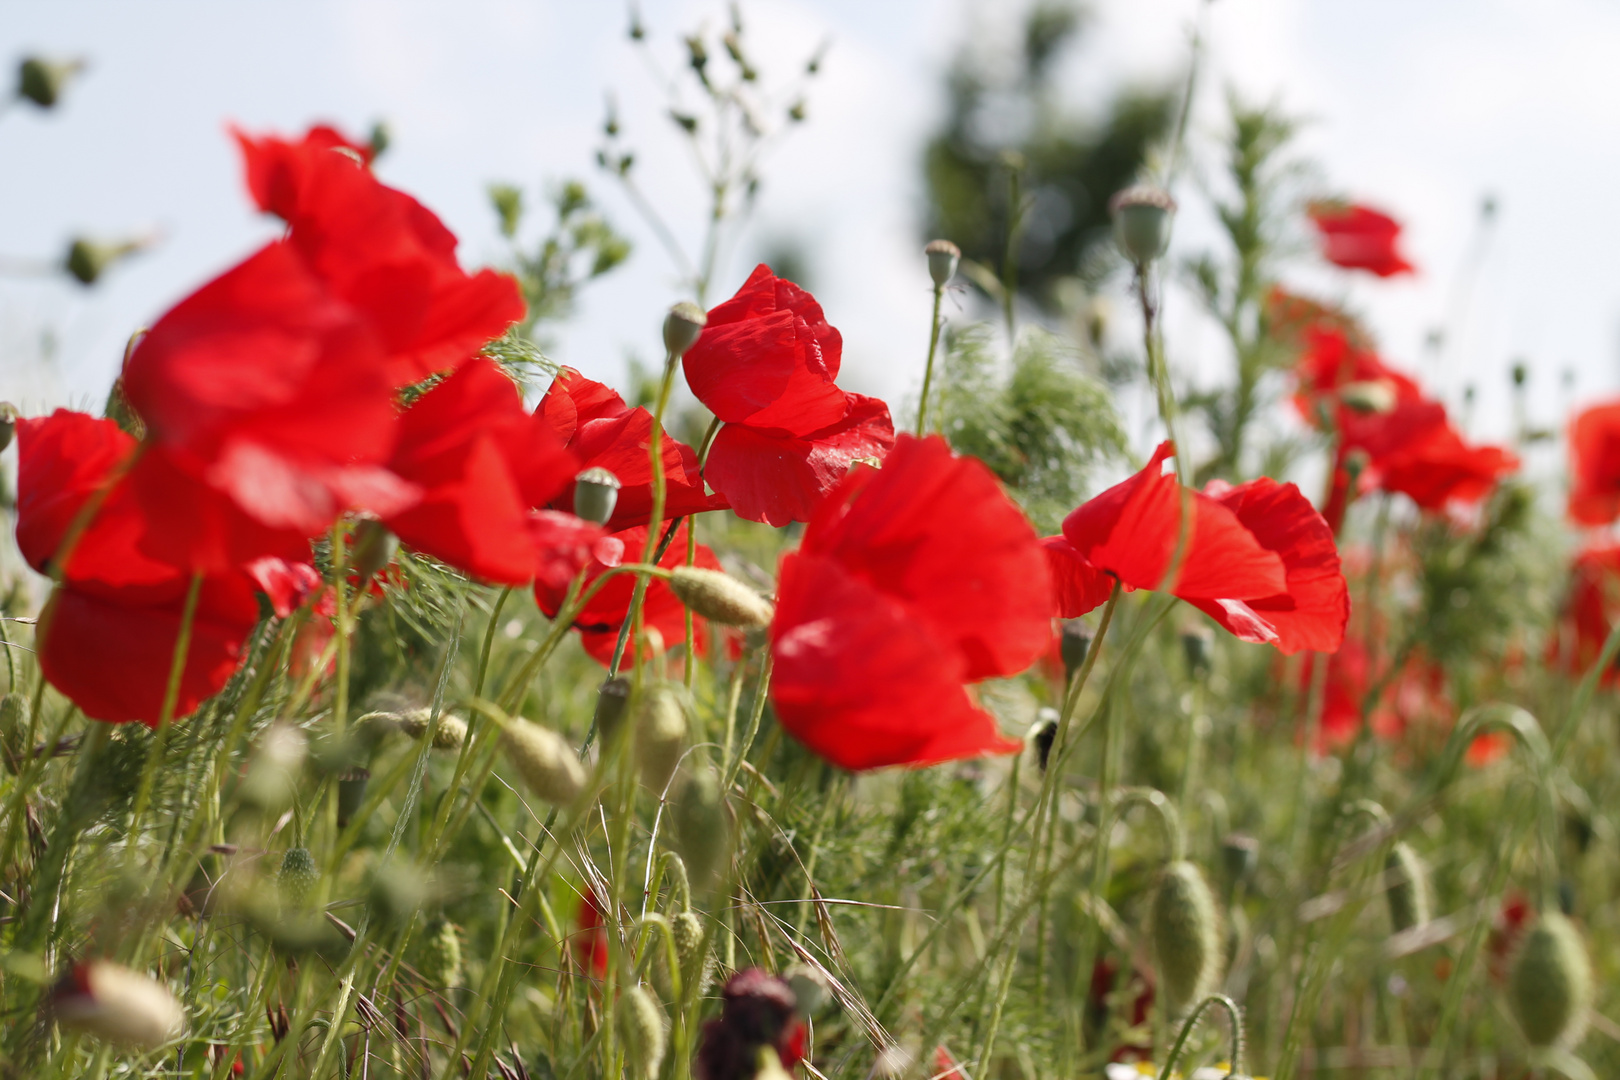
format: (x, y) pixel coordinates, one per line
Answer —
(42, 81)
(440, 958)
(1142, 222)
(121, 412)
(682, 328)
(546, 763)
(8, 424)
(942, 259)
(1196, 643)
(1369, 396)
(699, 825)
(661, 730)
(720, 597)
(380, 139)
(1074, 642)
(1550, 987)
(641, 1029)
(112, 1002)
(796, 111)
(351, 793)
(373, 550)
(296, 877)
(87, 260)
(596, 493)
(1240, 855)
(1043, 734)
(1407, 881)
(449, 735)
(612, 703)
(1186, 935)
(697, 959)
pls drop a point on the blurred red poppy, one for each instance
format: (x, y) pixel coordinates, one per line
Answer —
(602, 431)
(482, 462)
(1359, 238)
(911, 581)
(1594, 450)
(1257, 558)
(1591, 607)
(1333, 372)
(379, 250)
(766, 366)
(599, 620)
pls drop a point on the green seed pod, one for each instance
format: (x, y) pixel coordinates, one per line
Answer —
(1142, 218)
(546, 762)
(642, 1030)
(449, 735)
(612, 705)
(702, 835)
(661, 730)
(440, 958)
(41, 81)
(943, 257)
(682, 328)
(87, 260)
(720, 597)
(596, 493)
(1186, 935)
(1550, 986)
(1407, 888)
(297, 876)
(373, 549)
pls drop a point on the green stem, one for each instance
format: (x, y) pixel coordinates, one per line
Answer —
(489, 641)
(928, 368)
(171, 697)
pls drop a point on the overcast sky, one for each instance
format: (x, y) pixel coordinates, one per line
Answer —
(1418, 108)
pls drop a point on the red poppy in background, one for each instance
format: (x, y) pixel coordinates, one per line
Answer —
(379, 250)
(1359, 238)
(911, 581)
(590, 940)
(766, 366)
(1258, 558)
(1594, 450)
(1590, 609)
(599, 620)
(601, 430)
(1334, 372)
(482, 462)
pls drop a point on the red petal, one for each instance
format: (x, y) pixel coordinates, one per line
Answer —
(778, 478)
(564, 545)
(1078, 586)
(1594, 449)
(936, 533)
(62, 459)
(1359, 238)
(862, 682)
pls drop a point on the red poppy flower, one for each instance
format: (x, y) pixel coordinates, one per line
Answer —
(911, 580)
(600, 619)
(482, 461)
(1078, 586)
(601, 430)
(1590, 610)
(766, 366)
(1333, 373)
(381, 251)
(591, 940)
(1257, 558)
(1359, 238)
(1594, 449)
(1413, 449)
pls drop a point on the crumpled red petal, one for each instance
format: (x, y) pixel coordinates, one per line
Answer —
(1077, 586)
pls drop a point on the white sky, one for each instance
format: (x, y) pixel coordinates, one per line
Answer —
(1418, 108)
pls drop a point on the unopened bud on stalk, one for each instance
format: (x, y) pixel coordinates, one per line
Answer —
(1550, 988)
(42, 81)
(682, 328)
(661, 730)
(612, 705)
(1240, 855)
(641, 1029)
(545, 761)
(596, 493)
(449, 735)
(1196, 644)
(1186, 935)
(8, 423)
(720, 597)
(1407, 888)
(943, 257)
(1142, 218)
(1074, 642)
(112, 1002)
(121, 412)
(297, 877)
(351, 793)
(374, 547)
(440, 958)
(1042, 734)
(87, 260)
(696, 958)
(702, 835)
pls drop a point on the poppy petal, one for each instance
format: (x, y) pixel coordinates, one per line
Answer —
(1078, 587)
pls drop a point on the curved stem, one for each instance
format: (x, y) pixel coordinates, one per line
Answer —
(1233, 1014)
(1175, 842)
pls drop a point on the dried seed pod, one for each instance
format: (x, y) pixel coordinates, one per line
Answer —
(720, 597)
(643, 1032)
(297, 877)
(1407, 881)
(1550, 986)
(112, 1002)
(1186, 935)
(546, 762)
(661, 731)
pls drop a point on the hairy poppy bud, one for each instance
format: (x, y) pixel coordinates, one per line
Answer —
(697, 959)
(682, 328)
(1550, 987)
(596, 493)
(297, 876)
(112, 1002)
(943, 257)
(641, 1028)
(374, 547)
(546, 762)
(699, 825)
(1407, 881)
(449, 735)
(1142, 222)
(1074, 642)
(1186, 935)
(87, 260)
(351, 793)
(612, 704)
(8, 423)
(440, 958)
(661, 730)
(41, 81)
(720, 597)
